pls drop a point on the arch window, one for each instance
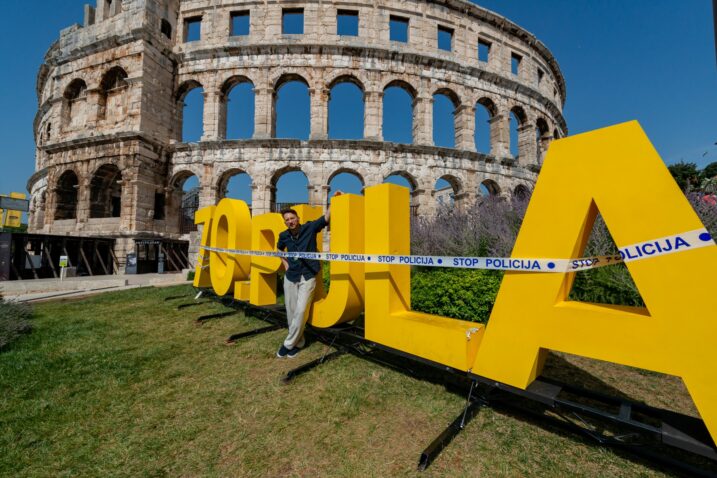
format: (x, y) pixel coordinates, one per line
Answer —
(444, 119)
(517, 120)
(289, 188)
(405, 180)
(521, 193)
(106, 192)
(542, 139)
(191, 112)
(112, 100)
(292, 109)
(66, 196)
(74, 99)
(184, 201)
(236, 185)
(346, 181)
(238, 109)
(444, 193)
(489, 188)
(398, 102)
(484, 113)
(346, 110)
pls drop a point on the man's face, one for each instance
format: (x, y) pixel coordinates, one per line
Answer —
(292, 221)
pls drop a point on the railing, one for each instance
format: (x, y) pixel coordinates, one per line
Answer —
(186, 220)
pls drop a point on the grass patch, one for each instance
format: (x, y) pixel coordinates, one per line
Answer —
(124, 384)
(14, 322)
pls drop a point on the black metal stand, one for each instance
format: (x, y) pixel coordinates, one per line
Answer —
(292, 374)
(251, 333)
(203, 318)
(663, 437)
(190, 304)
(173, 297)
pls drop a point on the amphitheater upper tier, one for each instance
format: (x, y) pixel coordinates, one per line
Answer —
(111, 154)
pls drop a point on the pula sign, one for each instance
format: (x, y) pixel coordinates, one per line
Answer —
(614, 171)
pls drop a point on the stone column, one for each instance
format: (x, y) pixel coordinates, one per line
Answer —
(526, 145)
(318, 195)
(82, 212)
(465, 127)
(208, 190)
(500, 136)
(261, 198)
(263, 116)
(464, 200)
(422, 201)
(543, 145)
(423, 121)
(373, 115)
(319, 113)
(210, 118)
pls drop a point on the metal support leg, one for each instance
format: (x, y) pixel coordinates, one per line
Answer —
(292, 374)
(190, 304)
(444, 439)
(203, 318)
(232, 339)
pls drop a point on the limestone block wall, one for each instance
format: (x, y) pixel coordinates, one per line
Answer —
(111, 101)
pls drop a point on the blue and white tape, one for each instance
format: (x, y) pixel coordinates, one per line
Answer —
(643, 250)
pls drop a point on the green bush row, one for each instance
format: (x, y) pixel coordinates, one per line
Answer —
(458, 293)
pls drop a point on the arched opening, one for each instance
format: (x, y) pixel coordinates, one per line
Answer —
(235, 184)
(444, 119)
(521, 193)
(405, 180)
(292, 108)
(66, 196)
(289, 188)
(106, 192)
(485, 112)
(191, 111)
(237, 109)
(74, 102)
(556, 134)
(517, 120)
(542, 139)
(398, 101)
(185, 200)
(489, 188)
(112, 100)
(445, 191)
(346, 109)
(346, 181)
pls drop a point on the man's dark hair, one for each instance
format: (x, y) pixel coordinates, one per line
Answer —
(287, 211)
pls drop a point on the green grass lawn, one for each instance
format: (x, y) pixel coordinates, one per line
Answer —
(123, 384)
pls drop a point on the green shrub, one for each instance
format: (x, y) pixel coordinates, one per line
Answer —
(606, 285)
(14, 321)
(458, 293)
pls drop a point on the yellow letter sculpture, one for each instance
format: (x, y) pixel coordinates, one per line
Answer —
(389, 318)
(617, 172)
(345, 299)
(230, 227)
(264, 234)
(201, 274)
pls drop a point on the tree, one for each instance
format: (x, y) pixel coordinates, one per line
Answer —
(685, 174)
(710, 171)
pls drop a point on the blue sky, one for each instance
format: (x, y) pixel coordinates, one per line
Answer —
(650, 60)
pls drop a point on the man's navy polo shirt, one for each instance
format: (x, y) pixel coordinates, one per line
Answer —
(305, 241)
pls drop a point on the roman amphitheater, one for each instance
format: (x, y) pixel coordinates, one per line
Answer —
(113, 156)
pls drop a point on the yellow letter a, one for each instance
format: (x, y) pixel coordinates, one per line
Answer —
(617, 172)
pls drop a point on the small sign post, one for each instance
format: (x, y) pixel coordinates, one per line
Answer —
(63, 267)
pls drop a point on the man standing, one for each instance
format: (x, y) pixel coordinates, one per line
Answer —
(300, 277)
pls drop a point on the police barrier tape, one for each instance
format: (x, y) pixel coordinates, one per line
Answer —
(643, 250)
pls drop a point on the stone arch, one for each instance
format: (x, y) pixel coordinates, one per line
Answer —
(518, 120)
(413, 187)
(521, 192)
(445, 104)
(66, 195)
(446, 197)
(346, 107)
(74, 103)
(223, 185)
(345, 77)
(542, 138)
(556, 134)
(236, 90)
(282, 199)
(489, 188)
(187, 87)
(181, 205)
(399, 121)
(485, 112)
(112, 99)
(342, 174)
(106, 192)
(303, 122)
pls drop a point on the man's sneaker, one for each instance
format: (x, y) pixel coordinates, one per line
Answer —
(283, 352)
(293, 352)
